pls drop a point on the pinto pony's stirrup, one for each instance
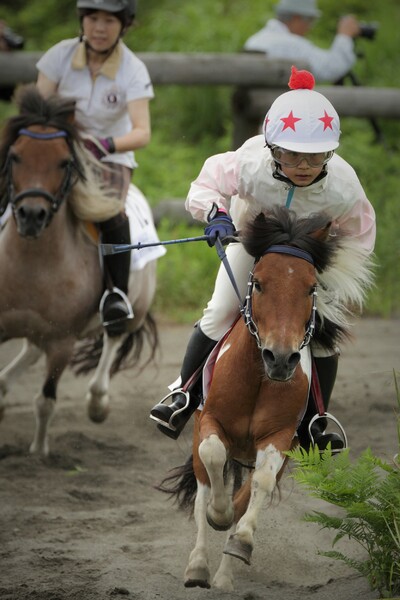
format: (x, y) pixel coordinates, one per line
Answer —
(185, 399)
(116, 291)
(328, 416)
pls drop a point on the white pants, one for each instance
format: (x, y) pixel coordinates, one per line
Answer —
(223, 308)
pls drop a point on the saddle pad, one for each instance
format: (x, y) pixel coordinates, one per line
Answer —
(142, 228)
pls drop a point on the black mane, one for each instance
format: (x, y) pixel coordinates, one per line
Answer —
(281, 226)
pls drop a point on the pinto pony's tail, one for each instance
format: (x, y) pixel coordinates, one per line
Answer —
(88, 352)
(181, 485)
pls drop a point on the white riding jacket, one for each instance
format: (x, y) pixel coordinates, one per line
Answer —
(242, 183)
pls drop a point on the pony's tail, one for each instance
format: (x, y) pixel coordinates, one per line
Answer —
(181, 485)
(88, 352)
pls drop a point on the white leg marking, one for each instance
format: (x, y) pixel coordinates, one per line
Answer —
(28, 355)
(213, 455)
(268, 464)
(44, 408)
(223, 578)
(197, 568)
(97, 396)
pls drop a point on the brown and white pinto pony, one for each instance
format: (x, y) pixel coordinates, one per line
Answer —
(260, 382)
(51, 279)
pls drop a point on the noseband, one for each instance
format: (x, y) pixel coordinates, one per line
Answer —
(54, 201)
(247, 311)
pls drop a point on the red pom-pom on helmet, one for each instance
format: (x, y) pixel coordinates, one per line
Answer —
(301, 80)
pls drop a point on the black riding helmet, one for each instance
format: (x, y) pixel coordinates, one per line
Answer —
(124, 10)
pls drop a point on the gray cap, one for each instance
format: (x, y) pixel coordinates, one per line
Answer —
(305, 8)
(109, 5)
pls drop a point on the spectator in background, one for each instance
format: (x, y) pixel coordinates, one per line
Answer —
(284, 37)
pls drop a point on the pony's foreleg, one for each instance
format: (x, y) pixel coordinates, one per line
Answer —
(197, 573)
(98, 402)
(58, 354)
(28, 355)
(223, 578)
(220, 507)
(268, 464)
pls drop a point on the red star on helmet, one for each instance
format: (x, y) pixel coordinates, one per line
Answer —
(290, 121)
(327, 120)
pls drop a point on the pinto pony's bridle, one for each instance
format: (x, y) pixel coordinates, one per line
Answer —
(55, 201)
(247, 311)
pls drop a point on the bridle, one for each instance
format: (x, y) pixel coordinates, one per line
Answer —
(55, 201)
(247, 310)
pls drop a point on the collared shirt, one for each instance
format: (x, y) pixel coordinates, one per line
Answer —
(330, 64)
(101, 102)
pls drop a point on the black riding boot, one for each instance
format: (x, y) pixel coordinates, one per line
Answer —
(115, 306)
(172, 418)
(327, 369)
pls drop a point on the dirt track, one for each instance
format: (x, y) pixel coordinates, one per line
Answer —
(87, 524)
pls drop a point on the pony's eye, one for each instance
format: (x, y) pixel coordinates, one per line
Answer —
(312, 290)
(257, 286)
(67, 162)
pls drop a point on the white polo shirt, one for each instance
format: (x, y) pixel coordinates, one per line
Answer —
(101, 103)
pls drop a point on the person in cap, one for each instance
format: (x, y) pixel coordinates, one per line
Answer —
(284, 37)
(112, 89)
(293, 164)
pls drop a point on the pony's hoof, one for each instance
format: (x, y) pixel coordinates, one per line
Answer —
(2, 411)
(234, 547)
(189, 583)
(221, 526)
(98, 412)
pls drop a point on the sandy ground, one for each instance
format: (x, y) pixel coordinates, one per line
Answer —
(86, 523)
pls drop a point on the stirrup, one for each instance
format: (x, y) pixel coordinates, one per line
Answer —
(328, 416)
(174, 413)
(117, 325)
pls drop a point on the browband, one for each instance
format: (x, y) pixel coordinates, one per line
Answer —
(43, 136)
(280, 249)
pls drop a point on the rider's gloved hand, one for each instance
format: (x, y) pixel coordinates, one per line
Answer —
(99, 147)
(220, 225)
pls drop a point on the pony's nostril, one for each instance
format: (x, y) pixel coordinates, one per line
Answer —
(41, 216)
(293, 360)
(268, 357)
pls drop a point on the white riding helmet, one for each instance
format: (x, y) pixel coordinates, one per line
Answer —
(302, 120)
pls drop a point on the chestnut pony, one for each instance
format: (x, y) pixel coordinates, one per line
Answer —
(51, 279)
(261, 377)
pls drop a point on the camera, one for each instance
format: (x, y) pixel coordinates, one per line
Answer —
(12, 39)
(368, 30)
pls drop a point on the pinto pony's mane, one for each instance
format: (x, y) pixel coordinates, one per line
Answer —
(89, 201)
(344, 270)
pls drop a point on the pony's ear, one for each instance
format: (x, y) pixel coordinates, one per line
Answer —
(322, 233)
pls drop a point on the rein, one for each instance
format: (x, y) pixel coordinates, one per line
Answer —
(247, 310)
(55, 201)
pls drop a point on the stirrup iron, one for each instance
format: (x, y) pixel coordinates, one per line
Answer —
(124, 299)
(176, 412)
(328, 416)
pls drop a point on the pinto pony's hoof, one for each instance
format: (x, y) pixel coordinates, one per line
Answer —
(218, 526)
(234, 547)
(202, 583)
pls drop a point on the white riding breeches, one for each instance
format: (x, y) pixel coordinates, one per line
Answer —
(223, 308)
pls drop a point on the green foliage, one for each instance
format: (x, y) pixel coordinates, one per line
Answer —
(367, 493)
(193, 122)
